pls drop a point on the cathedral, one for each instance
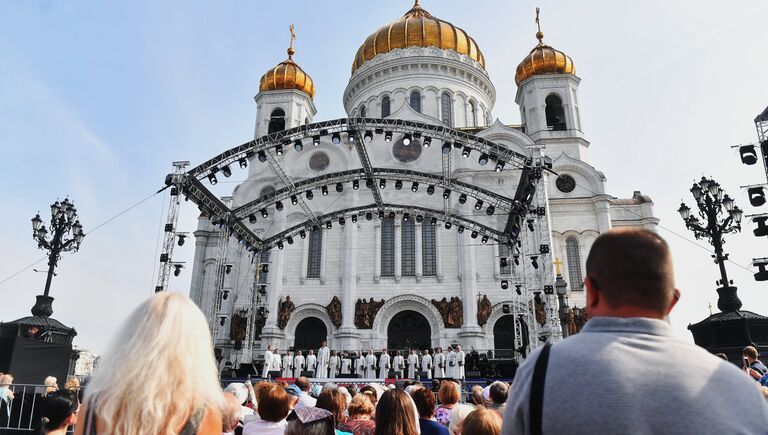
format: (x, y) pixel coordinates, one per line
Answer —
(394, 281)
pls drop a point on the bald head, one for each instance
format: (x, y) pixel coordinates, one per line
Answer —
(632, 268)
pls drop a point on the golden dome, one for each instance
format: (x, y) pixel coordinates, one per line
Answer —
(288, 75)
(543, 59)
(418, 28)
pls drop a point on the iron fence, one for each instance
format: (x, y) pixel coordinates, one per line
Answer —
(22, 414)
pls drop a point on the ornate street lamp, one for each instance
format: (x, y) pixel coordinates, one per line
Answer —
(719, 216)
(66, 235)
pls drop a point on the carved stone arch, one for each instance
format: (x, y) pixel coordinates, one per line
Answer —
(497, 312)
(308, 310)
(596, 179)
(400, 303)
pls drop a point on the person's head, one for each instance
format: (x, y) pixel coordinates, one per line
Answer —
(383, 351)
(361, 406)
(399, 353)
(629, 274)
(303, 383)
(371, 393)
(274, 402)
(458, 414)
(477, 395)
(6, 380)
(169, 334)
(498, 392)
(59, 410)
(269, 347)
(482, 421)
(311, 352)
(239, 390)
(323, 343)
(425, 402)
(333, 401)
(72, 383)
(230, 415)
(722, 356)
(298, 353)
(333, 353)
(458, 348)
(51, 384)
(426, 351)
(448, 393)
(750, 353)
(310, 421)
(395, 414)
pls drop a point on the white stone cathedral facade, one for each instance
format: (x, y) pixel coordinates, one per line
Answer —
(417, 68)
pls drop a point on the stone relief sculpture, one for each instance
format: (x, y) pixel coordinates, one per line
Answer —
(538, 307)
(284, 312)
(365, 312)
(238, 326)
(451, 311)
(334, 311)
(484, 308)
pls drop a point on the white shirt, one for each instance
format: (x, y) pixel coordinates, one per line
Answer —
(426, 361)
(264, 427)
(311, 362)
(306, 401)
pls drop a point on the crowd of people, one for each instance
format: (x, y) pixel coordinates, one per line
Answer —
(623, 373)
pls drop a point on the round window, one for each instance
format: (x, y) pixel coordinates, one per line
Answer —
(407, 153)
(565, 183)
(319, 161)
(267, 190)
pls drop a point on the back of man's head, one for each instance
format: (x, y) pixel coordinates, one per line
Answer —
(303, 383)
(632, 267)
(498, 392)
(750, 352)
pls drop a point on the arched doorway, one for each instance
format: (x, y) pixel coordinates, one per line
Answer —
(504, 337)
(310, 332)
(409, 330)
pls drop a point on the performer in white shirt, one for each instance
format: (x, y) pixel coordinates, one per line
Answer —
(288, 365)
(413, 364)
(439, 363)
(298, 364)
(398, 364)
(450, 363)
(346, 364)
(267, 362)
(426, 363)
(333, 364)
(359, 365)
(277, 360)
(311, 362)
(370, 365)
(384, 364)
(323, 355)
(460, 362)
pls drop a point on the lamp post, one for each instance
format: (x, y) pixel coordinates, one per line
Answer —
(66, 234)
(719, 216)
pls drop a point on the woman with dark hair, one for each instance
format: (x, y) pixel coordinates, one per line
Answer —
(425, 404)
(334, 402)
(59, 411)
(396, 414)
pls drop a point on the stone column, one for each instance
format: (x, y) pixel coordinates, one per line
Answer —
(271, 334)
(347, 336)
(198, 267)
(471, 333)
(603, 215)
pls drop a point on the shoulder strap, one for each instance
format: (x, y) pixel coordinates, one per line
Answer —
(536, 404)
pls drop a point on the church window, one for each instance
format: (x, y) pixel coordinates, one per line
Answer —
(472, 114)
(554, 112)
(263, 276)
(388, 247)
(315, 253)
(429, 254)
(363, 112)
(574, 264)
(416, 101)
(446, 109)
(504, 253)
(565, 183)
(319, 161)
(408, 247)
(267, 190)
(385, 107)
(276, 121)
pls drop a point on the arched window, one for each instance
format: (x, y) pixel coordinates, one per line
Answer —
(388, 247)
(472, 114)
(363, 112)
(574, 264)
(276, 121)
(428, 251)
(555, 113)
(416, 101)
(385, 107)
(446, 109)
(315, 253)
(408, 247)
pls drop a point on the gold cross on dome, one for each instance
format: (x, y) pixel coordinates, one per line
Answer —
(293, 34)
(558, 263)
(709, 305)
(538, 25)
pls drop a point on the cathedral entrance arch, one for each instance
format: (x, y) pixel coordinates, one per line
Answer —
(504, 336)
(310, 332)
(408, 330)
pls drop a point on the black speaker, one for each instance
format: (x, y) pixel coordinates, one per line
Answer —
(308, 374)
(421, 375)
(472, 374)
(347, 376)
(30, 360)
(395, 374)
(274, 374)
(437, 381)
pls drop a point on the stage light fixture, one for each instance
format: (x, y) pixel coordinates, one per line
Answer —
(329, 225)
(280, 245)
(265, 268)
(460, 229)
(391, 215)
(433, 221)
(762, 228)
(298, 146)
(407, 139)
(294, 200)
(516, 259)
(530, 224)
(484, 239)
(355, 184)
(474, 234)
(406, 216)
(535, 261)
(369, 183)
(483, 160)
(222, 320)
(446, 193)
(381, 215)
(419, 218)
(479, 204)
(463, 198)
(182, 239)
(262, 156)
(427, 141)
(212, 179)
(339, 187)
(503, 262)
(490, 210)
(243, 163)
(382, 184)
(303, 234)
(336, 138)
(518, 289)
(225, 294)
(756, 196)
(388, 137)
(465, 152)
(499, 166)
(227, 269)
(177, 269)
(279, 150)
(448, 225)
(315, 140)
(264, 213)
(415, 187)
(446, 147)
(504, 284)
(354, 218)
(748, 154)
(226, 171)
(368, 136)
(252, 218)
(324, 190)
(279, 206)
(309, 194)
(431, 189)
(342, 221)
(398, 185)
(368, 216)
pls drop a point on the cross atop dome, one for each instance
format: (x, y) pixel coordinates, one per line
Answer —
(543, 59)
(288, 74)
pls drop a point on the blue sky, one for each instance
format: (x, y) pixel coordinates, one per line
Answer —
(98, 98)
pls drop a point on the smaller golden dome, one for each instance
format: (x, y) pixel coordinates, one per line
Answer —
(543, 59)
(288, 75)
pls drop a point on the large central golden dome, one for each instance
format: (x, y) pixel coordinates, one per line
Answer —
(418, 28)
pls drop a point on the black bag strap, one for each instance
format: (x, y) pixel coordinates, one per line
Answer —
(536, 403)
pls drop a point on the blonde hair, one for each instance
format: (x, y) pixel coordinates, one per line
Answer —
(72, 383)
(458, 414)
(164, 346)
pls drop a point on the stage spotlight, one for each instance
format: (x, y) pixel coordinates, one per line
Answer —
(262, 289)
(465, 152)
(427, 141)
(463, 198)
(177, 269)
(226, 171)
(182, 239)
(406, 216)
(339, 187)
(448, 225)
(382, 184)
(262, 156)
(419, 218)
(503, 262)
(289, 239)
(756, 196)
(264, 213)
(518, 289)
(490, 210)
(324, 190)
(222, 320)
(388, 136)
(499, 166)
(279, 150)
(279, 206)
(748, 154)
(225, 294)
(504, 284)
(535, 261)
(483, 160)
(484, 239)
(415, 187)
(336, 138)
(310, 194)
(398, 185)
(354, 218)
(264, 268)
(762, 228)
(342, 221)
(460, 229)
(430, 189)
(446, 193)
(315, 140)
(368, 136)
(212, 179)
(329, 225)
(280, 245)
(227, 269)
(381, 215)
(516, 259)
(298, 146)
(530, 224)
(391, 215)
(294, 200)
(368, 216)
(243, 163)
(355, 184)
(479, 204)
(446, 147)
(473, 234)
(433, 221)
(407, 138)
(252, 218)
(303, 234)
